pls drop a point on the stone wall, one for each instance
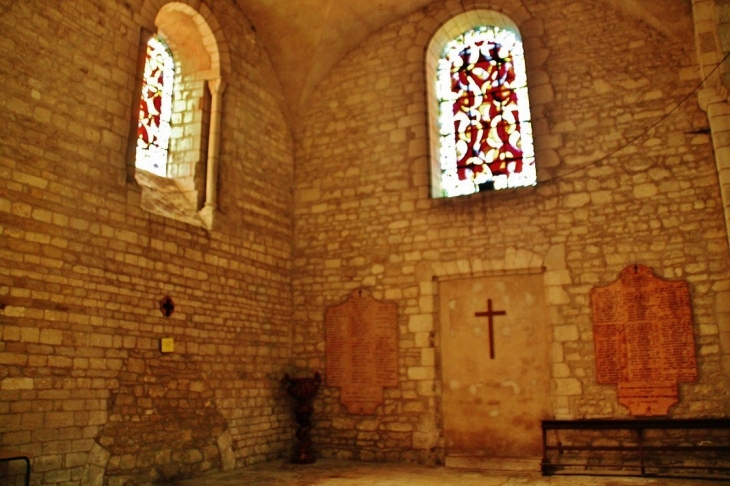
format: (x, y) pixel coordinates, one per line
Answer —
(83, 387)
(711, 39)
(364, 217)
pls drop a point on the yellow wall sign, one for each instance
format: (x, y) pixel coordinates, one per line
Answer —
(167, 345)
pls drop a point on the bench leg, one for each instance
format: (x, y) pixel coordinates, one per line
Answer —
(544, 452)
(27, 471)
(640, 438)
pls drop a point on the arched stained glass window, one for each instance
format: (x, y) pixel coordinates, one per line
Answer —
(485, 134)
(180, 82)
(155, 108)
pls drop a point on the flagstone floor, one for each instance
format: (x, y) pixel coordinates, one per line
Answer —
(337, 473)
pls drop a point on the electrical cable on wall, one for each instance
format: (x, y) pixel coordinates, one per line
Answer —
(643, 133)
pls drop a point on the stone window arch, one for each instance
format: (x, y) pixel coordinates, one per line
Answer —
(479, 110)
(184, 187)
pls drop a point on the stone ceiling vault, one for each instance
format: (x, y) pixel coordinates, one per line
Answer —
(307, 38)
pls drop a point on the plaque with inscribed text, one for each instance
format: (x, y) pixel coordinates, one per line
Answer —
(362, 350)
(642, 328)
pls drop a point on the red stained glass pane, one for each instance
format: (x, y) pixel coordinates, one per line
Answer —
(486, 137)
(155, 108)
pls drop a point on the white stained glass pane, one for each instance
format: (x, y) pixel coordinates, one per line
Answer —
(528, 147)
(152, 159)
(526, 177)
(512, 42)
(448, 153)
(523, 104)
(446, 118)
(520, 72)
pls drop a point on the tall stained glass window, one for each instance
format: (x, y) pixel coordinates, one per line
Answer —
(155, 108)
(484, 114)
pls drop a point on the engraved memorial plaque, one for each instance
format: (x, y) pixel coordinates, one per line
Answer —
(362, 350)
(642, 328)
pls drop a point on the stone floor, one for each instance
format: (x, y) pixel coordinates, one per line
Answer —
(335, 473)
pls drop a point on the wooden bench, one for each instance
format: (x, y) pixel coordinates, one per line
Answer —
(645, 455)
(6, 455)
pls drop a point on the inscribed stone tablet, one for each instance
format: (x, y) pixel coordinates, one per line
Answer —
(642, 328)
(362, 350)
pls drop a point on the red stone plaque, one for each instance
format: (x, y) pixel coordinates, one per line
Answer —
(362, 350)
(642, 327)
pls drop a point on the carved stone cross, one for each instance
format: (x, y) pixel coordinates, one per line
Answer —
(490, 314)
(167, 306)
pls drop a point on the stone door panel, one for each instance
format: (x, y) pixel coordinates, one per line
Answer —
(493, 406)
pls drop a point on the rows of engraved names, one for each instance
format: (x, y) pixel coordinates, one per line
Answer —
(643, 331)
(361, 344)
(337, 343)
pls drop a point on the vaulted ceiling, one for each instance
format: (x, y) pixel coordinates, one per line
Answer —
(306, 38)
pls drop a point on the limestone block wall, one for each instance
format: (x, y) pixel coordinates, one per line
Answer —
(711, 39)
(364, 217)
(84, 388)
